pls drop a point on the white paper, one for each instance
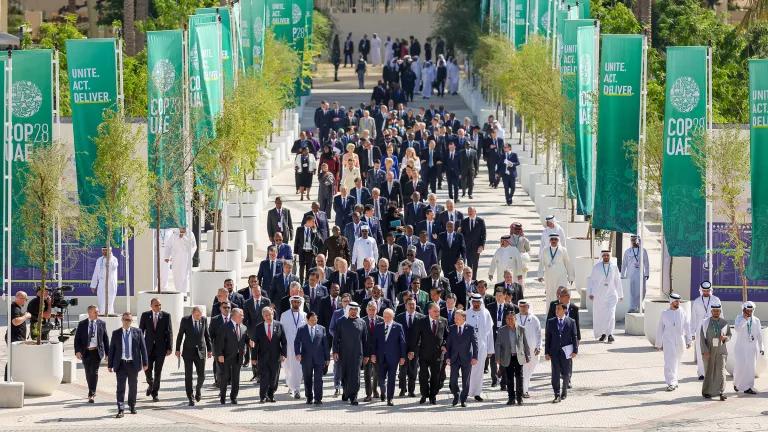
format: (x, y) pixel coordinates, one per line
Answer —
(568, 350)
(509, 163)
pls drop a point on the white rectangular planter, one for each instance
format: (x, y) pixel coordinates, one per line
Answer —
(230, 260)
(206, 283)
(236, 239)
(251, 225)
(534, 179)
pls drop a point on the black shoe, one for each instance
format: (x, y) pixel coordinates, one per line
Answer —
(149, 391)
(455, 400)
(133, 410)
(503, 388)
(155, 399)
(422, 400)
(510, 401)
(234, 401)
(90, 399)
(602, 338)
(223, 401)
(271, 400)
(119, 414)
(389, 403)
(296, 395)
(701, 377)
(432, 401)
(309, 401)
(519, 401)
(318, 402)
(354, 402)
(610, 339)
(375, 394)
(736, 390)
(336, 393)
(344, 398)
(493, 383)
(526, 395)
(723, 397)
(197, 396)
(557, 399)
(367, 399)
(470, 197)
(463, 404)
(478, 398)
(750, 391)
(569, 385)
(411, 394)
(706, 396)
(191, 402)
(382, 397)
(402, 393)
(563, 396)
(485, 371)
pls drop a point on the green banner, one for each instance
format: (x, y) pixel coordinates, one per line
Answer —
(237, 37)
(201, 120)
(259, 23)
(520, 23)
(621, 68)
(585, 9)
(165, 121)
(685, 116)
(279, 14)
(246, 35)
(503, 16)
(4, 186)
(542, 21)
(585, 86)
(92, 67)
(758, 136)
(568, 74)
(227, 55)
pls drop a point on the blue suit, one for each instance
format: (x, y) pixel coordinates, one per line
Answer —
(389, 351)
(284, 252)
(127, 370)
(452, 168)
(315, 355)
(557, 337)
(91, 358)
(427, 253)
(320, 292)
(462, 349)
(508, 173)
(266, 275)
(342, 208)
(365, 195)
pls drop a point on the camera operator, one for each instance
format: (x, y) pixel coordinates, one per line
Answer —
(34, 310)
(19, 319)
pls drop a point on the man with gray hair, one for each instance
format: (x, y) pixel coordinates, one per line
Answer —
(193, 333)
(388, 352)
(127, 356)
(229, 355)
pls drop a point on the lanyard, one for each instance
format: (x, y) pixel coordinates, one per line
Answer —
(749, 326)
(552, 255)
(517, 241)
(524, 321)
(706, 306)
(296, 316)
(606, 270)
(636, 254)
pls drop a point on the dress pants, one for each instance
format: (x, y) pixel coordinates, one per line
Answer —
(305, 263)
(561, 370)
(497, 372)
(350, 377)
(126, 372)
(492, 160)
(453, 185)
(371, 378)
(467, 186)
(91, 362)
(199, 365)
(509, 187)
(154, 370)
(408, 374)
(269, 373)
(230, 371)
(348, 59)
(466, 371)
(514, 374)
(429, 377)
(387, 371)
(313, 380)
(472, 256)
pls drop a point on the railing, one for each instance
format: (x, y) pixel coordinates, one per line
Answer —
(377, 6)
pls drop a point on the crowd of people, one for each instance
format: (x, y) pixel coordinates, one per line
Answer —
(378, 276)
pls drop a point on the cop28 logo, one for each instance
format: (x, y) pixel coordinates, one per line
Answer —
(163, 75)
(258, 27)
(296, 14)
(684, 94)
(27, 99)
(585, 70)
(545, 21)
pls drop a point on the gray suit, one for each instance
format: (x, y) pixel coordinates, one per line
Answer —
(513, 365)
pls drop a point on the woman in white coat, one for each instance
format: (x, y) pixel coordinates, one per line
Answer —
(375, 50)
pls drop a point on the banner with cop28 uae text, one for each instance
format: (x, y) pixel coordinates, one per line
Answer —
(758, 136)
(227, 53)
(92, 68)
(621, 68)
(519, 22)
(165, 120)
(683, 205)
(586, 58)
(201, 120)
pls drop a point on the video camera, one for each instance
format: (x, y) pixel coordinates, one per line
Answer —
(58, 299)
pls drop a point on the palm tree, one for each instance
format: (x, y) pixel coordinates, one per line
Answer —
(757, 11)
(129, 30)
(142, 13)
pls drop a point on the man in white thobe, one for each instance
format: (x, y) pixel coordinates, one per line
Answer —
(747, 348)
(555, 268)
(605, 290)
(480, 319)
(532, 327)
(388, 50)
(673, 336)
(364, 247)
(165, 267)
(551, 226)
(291, 320)
(179, 249)
(701, 309)
(375, 50)
(630, 268)
(453, 76)
(427, 77)
(507, 257)
(105, 292)
(416, 68)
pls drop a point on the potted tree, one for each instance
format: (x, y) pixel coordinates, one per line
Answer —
(46, 207)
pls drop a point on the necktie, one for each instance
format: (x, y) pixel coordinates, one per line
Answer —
(501, 311)
(471, 224)
(410, 320)
(434, 327)
(125, 344)
(90, 331)
(390, 252)
(460, 329)
(370, 324)
(429, 229)
(312, 334)
(560, 325)
(313, 293)
(197, 326)
(342, 281)
(226, 320)
(450, 239)
(154, 321)
(269, 332)
(272, 267)
(237, 332)
(386, 331)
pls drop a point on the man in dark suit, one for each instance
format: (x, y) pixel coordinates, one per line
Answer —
(312, 351)
(384, 278)
(379, 204)
(321, 220)
(322, 120)
(572, 311)
(328, 306)
(499, 311)
(268, 269)
(270, 345)
(315, 291)
(233, 338)
(389, 351)
(217, 322)
(360, 193)
(561, 345)
(409, 371)
(449, 310)
(470, 166)
(392, 190)
(158, 338)
(375, 177)
(461, 353)
(492, 146)
(434, 280)
(414, 210)
(279, 220)
(193, 332)
(509, 285)
(430, 225)
(426, 250)
(347, 280)
(308, 244)
(465, 287)
(91, 345)
(367, 153)
(377, 298)
(427, 343)
(450, 214)
(473, 229)
(371, 369)
(252, 318)
(453, 171)
(282, 282)
(451, 246)
(392, 251)
(507, 170)
(127, 356)
(431, 161)
(343, 204)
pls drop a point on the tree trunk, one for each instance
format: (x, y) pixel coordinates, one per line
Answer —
(142, 14)
(43, 277)
(107, 265)
(93, 19)
(158, 261)
(129, 29)
(72, 6)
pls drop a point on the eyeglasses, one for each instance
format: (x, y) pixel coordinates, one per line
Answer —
(127, 320)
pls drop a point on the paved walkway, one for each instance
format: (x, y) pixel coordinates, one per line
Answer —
(617, 386)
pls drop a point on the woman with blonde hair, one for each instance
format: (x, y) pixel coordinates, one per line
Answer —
(350, 173)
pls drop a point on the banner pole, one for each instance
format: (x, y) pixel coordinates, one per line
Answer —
(57, 136)
(641, 167)
(8, 155)
(710, 203)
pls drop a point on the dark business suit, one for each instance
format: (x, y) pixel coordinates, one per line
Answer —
(517, 290)
(280, 221)
(452, 168)
(445, 216)
(342, 208)
(196, 345)
(159, 342)
(390, 348)
(252, 316)
(433, 231)
(431, 173)
(214, 329)
(572, 312)
(91, 357)
(462, 289)
(393, 193)
(462, 349)
(321, 223)
(269, 349)
(233, 342)
(267, 271)
(350, 282)
(315, 301)
(474, 237)
(427, 345)
(306, 249)
(557, 336)
(314, 352)
(409, 372)
(414, 214)
(448, 315)
(508, 174)
(371, 370)
(127, 370)
(280, 285)
(470, 166)
(395, 257)
(427, 253)
(387, 283)
(450, 251)
(492, 150)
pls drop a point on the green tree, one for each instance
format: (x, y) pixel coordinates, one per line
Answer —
(135, 84)
(615, 18)
(53, 35)
(458, 23)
